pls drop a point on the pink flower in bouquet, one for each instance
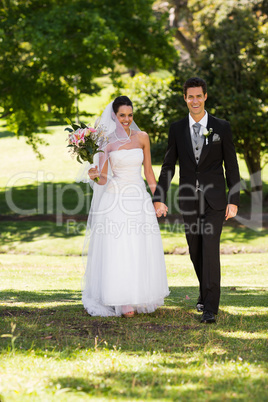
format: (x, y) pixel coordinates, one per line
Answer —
(88, 131)
(79, 136)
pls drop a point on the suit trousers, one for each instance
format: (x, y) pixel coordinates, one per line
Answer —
(203, 227)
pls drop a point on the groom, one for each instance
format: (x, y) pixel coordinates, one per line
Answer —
(201, 143)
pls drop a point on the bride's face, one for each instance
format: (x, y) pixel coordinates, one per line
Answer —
(125, 116)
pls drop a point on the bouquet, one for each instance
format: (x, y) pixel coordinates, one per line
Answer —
(85, 142)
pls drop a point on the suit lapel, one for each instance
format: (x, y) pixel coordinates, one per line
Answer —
(207, 144)
(188, 140)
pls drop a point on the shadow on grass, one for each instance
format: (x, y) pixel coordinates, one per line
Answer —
(245, 199)
(6, 134)
(45, 198)
(14, 232)
(25, 197)
(231, 234)
(238, 297)
(174, 328)
(241, 235)
(27, 231)
(148, 384)
(230, 297)
(42, 296)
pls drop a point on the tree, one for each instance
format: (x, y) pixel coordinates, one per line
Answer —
(234, 65)
(226, 43)
(188, 19)
(48, 47)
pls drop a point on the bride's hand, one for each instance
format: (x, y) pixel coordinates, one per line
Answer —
(93, 173)
(160, 209)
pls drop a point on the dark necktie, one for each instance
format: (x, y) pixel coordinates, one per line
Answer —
(196, 128)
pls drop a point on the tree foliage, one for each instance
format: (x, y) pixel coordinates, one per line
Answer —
(229, 48)
(189, 19)
(150, 96)
(234, 65)
(49, 46)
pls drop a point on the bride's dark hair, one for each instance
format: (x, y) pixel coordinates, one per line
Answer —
(121, 101)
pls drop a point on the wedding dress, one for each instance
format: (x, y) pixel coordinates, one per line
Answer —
(125, 258)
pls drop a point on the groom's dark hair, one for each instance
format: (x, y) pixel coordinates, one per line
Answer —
(193, 83)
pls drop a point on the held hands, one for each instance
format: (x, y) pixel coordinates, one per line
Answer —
(94, 173)
(160, 209)
(231, 211)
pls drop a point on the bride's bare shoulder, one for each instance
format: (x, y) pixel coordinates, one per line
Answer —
(142, 134)
(143, 138)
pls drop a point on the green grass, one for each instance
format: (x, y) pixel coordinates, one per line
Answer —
(46, 238)
(62, 354)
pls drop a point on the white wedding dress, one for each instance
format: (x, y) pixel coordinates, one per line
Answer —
(125, 259)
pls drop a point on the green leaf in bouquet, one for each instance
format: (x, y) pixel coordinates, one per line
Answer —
(88, 139)
(83, 152)
(78, 159)
(83, 125)
(89, 149)
(84, 157)
(68, 121)
(69, 129)
(70, 145)
(75, 126)
(99, 150)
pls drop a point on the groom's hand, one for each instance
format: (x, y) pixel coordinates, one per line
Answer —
(231, 211)
(160, 209)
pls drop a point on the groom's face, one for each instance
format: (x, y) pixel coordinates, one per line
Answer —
(195, 100)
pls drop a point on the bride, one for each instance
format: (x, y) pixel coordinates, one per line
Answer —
(125, 271)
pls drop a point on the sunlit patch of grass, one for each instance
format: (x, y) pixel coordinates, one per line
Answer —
(243, 335)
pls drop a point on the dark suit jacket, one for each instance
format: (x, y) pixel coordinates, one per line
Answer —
(209, 170)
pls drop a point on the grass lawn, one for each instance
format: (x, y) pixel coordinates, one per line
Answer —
(46, 238)
(59, 353)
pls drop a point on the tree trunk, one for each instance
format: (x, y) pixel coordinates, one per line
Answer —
(76, 100)
(186, 43)
(178, 13)
(76, 106)
(253, 162)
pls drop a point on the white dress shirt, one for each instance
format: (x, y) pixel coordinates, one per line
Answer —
(203, 122)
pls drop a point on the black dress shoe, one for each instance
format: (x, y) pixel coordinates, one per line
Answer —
(208, 317)
(200, 307)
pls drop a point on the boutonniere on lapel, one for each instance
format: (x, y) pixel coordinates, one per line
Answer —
(206, 134)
